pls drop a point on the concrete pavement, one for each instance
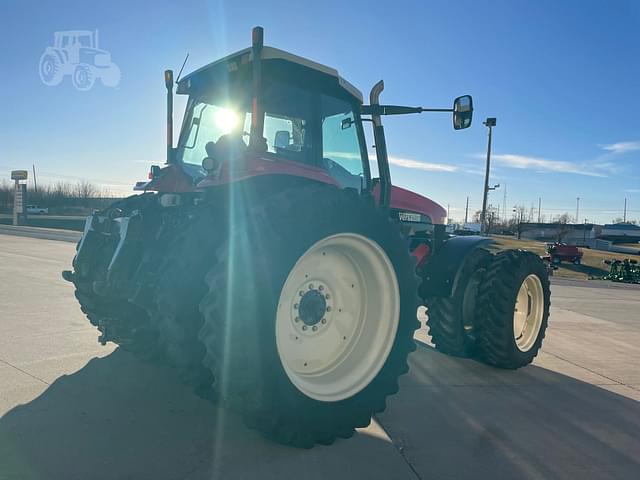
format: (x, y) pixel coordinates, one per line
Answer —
(73, 409)
(43, 233)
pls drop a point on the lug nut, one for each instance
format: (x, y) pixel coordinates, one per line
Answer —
(295, 305)
(311, 286)
(304, 327)
(324, 320)
(328, 309)
(297, 319)
(301, 293)
(321, 287)
(314, 328)
(327, 296)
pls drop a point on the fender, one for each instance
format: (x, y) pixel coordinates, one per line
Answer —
(61, 54)
(440, 273)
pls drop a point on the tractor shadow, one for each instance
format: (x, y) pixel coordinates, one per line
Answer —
(118, 418)
(121, 418)
(456, 418)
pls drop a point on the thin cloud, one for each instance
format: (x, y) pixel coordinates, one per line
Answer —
(621, 147)
(150, 162)
(412, 164)
(543, 165)
(426, 166)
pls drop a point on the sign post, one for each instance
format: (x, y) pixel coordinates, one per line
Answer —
(19, 197)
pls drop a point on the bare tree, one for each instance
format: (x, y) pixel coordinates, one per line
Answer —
(85, 189)
(563, 226)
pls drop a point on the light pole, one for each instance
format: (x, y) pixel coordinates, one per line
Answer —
(489, 123)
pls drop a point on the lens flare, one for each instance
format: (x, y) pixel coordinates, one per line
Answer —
(226, 120)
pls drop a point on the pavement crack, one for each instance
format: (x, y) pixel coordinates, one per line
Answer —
(25, 372)
(399, 446)
(617, 382)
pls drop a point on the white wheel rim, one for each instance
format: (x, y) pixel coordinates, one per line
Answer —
(335, 357)
(528, 313)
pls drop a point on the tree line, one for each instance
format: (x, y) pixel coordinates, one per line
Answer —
(60, 197)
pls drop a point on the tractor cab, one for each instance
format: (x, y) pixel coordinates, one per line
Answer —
(310, 122)
(75, 38)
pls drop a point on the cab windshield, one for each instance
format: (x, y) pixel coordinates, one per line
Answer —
(300, 125)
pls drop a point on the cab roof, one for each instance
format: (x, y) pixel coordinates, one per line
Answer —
(234, 60)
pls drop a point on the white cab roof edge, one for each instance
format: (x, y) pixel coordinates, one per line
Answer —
(270, 53)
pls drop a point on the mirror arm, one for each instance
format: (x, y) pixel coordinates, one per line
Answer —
(374, 109)
(448, 110)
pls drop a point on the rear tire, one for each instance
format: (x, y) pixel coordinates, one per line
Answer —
(50, 69)
(451, 320)
(179, 290)
(246, 304)
(513, 303)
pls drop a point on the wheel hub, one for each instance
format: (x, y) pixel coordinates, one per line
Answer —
(312, 308)
(528, 313)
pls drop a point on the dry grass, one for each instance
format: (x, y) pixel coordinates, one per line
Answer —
(632, 245)
(592, 261)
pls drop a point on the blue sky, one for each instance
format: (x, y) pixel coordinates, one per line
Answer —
(560, 76)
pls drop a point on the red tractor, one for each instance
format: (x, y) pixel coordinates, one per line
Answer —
(267, 265)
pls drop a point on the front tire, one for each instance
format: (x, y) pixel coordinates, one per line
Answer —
(294, 361)
(83, 77)
(513, 305)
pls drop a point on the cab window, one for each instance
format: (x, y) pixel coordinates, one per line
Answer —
(341, 153)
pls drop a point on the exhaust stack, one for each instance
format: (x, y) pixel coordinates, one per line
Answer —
(168, 81)
(256, 139)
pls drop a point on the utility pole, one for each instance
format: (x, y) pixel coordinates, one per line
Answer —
(35, 183)
(577, 208)
(447, 214)
(624, 217)
(466, 211)
(489, 123)
(504, 203)
(539, 206)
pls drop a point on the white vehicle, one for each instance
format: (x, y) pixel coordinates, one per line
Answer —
(35, 209)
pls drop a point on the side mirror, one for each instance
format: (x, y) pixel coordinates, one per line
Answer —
(462, 112)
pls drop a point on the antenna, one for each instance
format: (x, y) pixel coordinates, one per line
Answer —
(182, 68)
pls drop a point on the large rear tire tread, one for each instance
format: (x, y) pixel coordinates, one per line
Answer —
(445, 314)
(239, 313)
(179, 290)
(495, 339)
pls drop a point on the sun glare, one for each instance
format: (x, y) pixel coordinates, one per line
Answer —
(226, 120)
